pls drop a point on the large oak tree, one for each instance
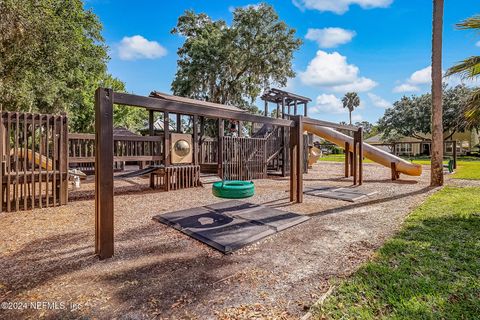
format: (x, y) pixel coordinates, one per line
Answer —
(232, 64)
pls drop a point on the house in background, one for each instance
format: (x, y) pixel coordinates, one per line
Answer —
(466, 142)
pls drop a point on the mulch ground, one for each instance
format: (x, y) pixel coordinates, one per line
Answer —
(157, 272)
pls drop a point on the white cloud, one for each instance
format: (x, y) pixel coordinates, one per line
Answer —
(379, 101)
(330, 37)
(422, 76)
(340, 6)
(328, 103)
(331, 70)
(419, 77)
(137, 47)
(405, 87)
(477, 43)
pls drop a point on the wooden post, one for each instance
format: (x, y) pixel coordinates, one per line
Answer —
(195, 139)
(240, 129)
(266, 109)
(221, 131)
(151, 132)
(454, 154)
(393, 168)
(179, 123)
(200, 138)
(278, 109)
(355, 157)
(284, 147)
(104, 173)
(360, 156)
(347, 159)
(299, 136)
(64, 159)
(305, 109)
(295, 108)
(166, 138)
(293, 164)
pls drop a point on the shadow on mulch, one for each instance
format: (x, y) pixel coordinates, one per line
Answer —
(151, 277)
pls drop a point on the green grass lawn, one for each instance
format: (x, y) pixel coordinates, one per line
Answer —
(467, 168)
(429, 270)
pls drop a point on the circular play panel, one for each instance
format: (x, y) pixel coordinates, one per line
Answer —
(233, 189)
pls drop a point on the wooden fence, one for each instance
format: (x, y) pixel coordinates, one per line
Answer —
(34, 160)
(244, 158)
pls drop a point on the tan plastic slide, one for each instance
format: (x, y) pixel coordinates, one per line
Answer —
(39, 160)
(375, 154)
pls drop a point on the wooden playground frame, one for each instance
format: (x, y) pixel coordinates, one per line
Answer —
(104, 145)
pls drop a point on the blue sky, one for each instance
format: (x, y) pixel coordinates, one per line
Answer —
(380, 48)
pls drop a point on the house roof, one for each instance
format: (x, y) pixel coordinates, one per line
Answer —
(169, 97)
(375, 139)
(121, 131)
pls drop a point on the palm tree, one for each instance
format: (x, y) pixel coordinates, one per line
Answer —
(469, 69)
(351, 101)
(436, 177)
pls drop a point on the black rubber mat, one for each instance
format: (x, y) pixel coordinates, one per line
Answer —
(230, 225)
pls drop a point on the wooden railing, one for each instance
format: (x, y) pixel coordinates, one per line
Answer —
(81, 149)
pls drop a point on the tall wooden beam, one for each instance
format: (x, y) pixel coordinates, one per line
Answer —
(151, 132)
(166, 139)
(191, 109)
(104, 173)
(293, 165)
(305, 108)
(300, 162)
(221, 131)
(265, 113)
(195, 140)
(284, 146)
(296, 160)
(355, 157)
(347, 159)
(360, 155)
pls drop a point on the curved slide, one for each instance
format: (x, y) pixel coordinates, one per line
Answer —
(375, 154)
(40, 160)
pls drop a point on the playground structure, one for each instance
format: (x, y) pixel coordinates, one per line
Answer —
(280, 140)
(173, 157)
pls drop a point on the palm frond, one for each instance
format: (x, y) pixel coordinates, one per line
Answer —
(470, 23)
(468, 68)
(472, 110)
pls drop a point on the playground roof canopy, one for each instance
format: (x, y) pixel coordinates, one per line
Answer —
(277, 96)
(169, 97)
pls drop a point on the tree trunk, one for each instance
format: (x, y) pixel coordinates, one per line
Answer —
(350, 115)
(436, 178)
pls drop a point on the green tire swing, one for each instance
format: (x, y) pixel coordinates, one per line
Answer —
(233, 189)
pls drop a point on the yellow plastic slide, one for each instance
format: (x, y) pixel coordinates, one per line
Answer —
(375, 154)
(39, 160)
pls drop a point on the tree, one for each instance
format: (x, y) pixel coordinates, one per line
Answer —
(436, 176)
(233, 64)
(351, 100)
(52, 58)
(468, 69)
(411, 116)
(369, 129)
